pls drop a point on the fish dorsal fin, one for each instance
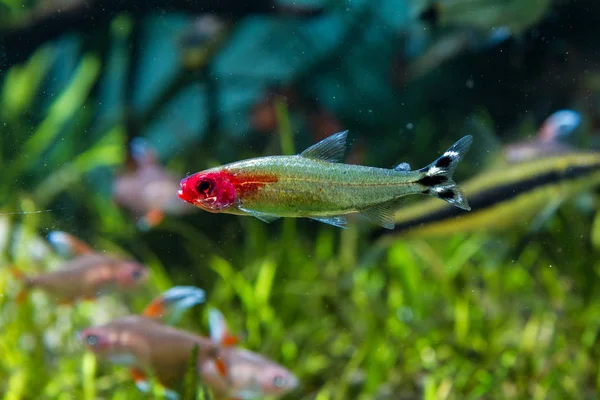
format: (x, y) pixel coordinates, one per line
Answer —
(67, 244)
(402, 167)
(331, 149)
(219, 332)
(383, 213)
(340, 220)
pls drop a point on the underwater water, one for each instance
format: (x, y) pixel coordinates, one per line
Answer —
(445, 247)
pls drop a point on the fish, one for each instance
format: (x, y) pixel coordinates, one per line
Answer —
(148, 346)
(148, 191)
(557, 126)
(485, 15)
(315, 184)
(517, 194)
(88, 275)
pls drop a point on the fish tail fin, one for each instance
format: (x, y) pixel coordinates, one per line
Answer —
(174, 301)
(431, 14)
(437, 176)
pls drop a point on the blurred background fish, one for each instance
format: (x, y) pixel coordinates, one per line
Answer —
(148, 191)
(88, 275)
(549, 140)
(151, 348)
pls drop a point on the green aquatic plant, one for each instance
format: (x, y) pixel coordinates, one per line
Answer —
(464, 317)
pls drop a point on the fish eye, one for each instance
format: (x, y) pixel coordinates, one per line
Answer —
(137, 274)
(278, 381)
(204, 186)
(92, 340)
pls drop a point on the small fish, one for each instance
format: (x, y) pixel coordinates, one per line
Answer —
(249, 376)
(518, 194)
(148, 346)
(238, 373)
(314, 184)
(148, 190)
(558, 125)
(86, 276)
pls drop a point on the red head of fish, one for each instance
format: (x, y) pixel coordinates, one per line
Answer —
(211, 191)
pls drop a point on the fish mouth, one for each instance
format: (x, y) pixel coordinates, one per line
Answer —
(180, 194)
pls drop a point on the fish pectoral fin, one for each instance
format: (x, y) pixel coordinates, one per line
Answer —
(339, 220)
(265, 217)
(331, 149)
(383, 213)
(402, 167)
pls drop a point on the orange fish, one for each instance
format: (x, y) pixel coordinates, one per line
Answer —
(86, 276)
(148, 191)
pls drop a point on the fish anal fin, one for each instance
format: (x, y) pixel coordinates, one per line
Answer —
(140, 380)
(330, 149)
(402, 167)
(265, 217)
(340, 221)
(383, 213)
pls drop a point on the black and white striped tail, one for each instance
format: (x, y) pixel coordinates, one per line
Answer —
(437, 176)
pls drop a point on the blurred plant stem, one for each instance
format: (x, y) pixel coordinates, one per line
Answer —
(286, 138)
